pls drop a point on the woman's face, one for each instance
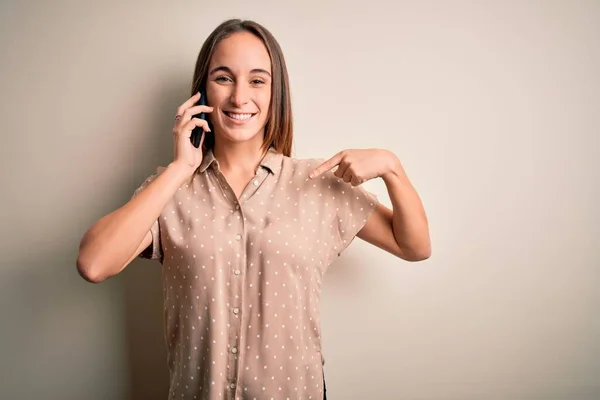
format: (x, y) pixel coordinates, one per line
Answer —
(239, 88)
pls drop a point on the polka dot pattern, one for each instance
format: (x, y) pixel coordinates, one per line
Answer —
(242, 277)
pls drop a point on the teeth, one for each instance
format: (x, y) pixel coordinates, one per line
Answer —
(240, 117)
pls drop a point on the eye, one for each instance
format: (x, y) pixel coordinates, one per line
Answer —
(258, 82)
(222, 79)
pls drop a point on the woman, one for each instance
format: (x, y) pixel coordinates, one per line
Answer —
(245, 232)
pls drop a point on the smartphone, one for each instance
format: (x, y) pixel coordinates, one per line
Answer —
(197, 131)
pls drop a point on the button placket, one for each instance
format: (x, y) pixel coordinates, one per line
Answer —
(254, 185)
(236, 340)
(226, 189)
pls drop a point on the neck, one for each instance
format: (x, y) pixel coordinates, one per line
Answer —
(239, 158)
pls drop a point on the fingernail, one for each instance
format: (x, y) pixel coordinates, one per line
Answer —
(311, 175)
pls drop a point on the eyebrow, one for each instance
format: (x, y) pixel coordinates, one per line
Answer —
(228, 70)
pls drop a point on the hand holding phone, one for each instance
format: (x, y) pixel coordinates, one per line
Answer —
(198, 131)
(186, 121)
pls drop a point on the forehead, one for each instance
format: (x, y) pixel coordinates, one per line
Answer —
(242, 51)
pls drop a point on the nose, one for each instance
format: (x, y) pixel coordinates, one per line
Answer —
(240, 95)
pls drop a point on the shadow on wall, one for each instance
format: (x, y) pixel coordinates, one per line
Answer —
(143, 296)
(147, 354)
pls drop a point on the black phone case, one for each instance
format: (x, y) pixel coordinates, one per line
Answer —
(197, 131)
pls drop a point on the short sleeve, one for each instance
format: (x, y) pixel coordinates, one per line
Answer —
(154, 251)
(353, 206)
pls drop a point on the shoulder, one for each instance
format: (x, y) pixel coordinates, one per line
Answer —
(157, 171)
(300, 166)
(297, 171)
(301, 162)
(150, 178)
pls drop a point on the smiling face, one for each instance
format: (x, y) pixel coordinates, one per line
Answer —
(238, 86)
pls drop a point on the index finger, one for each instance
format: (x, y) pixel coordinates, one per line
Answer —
(189, 103)
(326, 166)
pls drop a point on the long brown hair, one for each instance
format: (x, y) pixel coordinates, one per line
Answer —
(279, 127)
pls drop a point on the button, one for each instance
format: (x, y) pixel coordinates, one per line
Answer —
(236, 310)
(237, 206)
(232, 385)
(234, 350)
(237, 272)
(255, 183)
(238, 237)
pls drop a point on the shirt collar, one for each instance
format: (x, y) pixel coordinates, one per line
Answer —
(271, 161)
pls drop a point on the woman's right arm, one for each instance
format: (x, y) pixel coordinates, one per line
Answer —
(119, 237)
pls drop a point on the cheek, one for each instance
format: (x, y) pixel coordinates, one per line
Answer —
(217, 95)
(264, 99)
(264, 112)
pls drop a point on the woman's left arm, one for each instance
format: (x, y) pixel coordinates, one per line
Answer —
(403, 231)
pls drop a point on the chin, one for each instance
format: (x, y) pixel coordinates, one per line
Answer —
(240, 135)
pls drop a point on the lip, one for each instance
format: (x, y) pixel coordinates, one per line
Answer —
(237, 121)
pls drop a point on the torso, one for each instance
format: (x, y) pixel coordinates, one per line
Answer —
(243, 264)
